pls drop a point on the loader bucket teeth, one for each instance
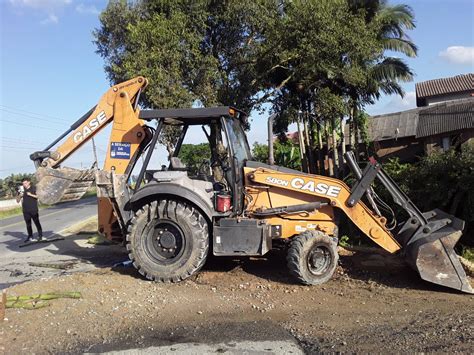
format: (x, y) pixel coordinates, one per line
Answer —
(62, 184)
(431, 252)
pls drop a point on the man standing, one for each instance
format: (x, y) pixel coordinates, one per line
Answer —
(27, 193)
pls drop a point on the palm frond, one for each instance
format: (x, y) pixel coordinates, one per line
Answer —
(401, 45)
(391, 69)
(399, 16)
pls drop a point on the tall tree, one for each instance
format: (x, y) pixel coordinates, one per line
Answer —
(192, 52)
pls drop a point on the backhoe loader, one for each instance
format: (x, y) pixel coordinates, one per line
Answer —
(170, 218)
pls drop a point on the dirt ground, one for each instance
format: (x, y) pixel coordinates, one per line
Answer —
(373, 304)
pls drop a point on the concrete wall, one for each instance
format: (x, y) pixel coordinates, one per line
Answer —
(7, 204)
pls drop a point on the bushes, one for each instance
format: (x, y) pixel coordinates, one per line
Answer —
(9, 185)
(441, 180)
(286, 154)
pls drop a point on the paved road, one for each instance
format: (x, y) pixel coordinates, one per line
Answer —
(15, 261)
(53, 220)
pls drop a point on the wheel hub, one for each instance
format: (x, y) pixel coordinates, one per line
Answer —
(167, 240)
(319, 260)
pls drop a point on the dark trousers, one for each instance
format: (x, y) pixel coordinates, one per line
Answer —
(35, 217)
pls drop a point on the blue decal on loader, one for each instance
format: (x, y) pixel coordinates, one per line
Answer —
(120, 150)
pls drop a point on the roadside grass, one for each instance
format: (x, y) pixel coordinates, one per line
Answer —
(15, 211)
(468, 253)
(91, 192)
(10, 212)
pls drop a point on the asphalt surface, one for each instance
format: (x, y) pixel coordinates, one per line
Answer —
(15, 257)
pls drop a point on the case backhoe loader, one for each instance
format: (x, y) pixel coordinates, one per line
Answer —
(170, 218)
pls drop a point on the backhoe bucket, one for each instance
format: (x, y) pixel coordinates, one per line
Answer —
(62, 184)
(430, 251)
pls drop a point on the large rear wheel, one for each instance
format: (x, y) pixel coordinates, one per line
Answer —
(168, 241)
(312, 257)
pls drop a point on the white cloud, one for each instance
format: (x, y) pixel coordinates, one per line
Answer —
(49, 7)
(87, 9)
(41, 4)
(52, 18)
(397, 104)
(458, 55)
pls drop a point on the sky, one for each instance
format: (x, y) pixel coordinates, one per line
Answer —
(50, 74)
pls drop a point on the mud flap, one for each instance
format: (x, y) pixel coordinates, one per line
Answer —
(430, 251)
(62, 184)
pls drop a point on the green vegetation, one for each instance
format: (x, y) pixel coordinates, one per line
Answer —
(15, 211)
(9, 185)
(468, 253)
(314, 62)
(91, 192)
(285, 153)
(195, 156)
(441, 180)
(38, 301)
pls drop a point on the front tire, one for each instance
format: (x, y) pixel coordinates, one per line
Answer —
(168, 241)
(312, 257)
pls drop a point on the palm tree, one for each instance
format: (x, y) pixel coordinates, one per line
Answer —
(384, 74)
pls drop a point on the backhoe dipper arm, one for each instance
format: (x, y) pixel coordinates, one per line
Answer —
(92, 122)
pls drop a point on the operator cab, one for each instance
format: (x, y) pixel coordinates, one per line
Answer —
(223, 159)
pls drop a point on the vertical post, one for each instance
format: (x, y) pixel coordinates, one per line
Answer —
(271, 158)
(149, 154)
(3, 305)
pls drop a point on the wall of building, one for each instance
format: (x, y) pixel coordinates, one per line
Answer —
(445, 141)
(448, 97)
(407, 149)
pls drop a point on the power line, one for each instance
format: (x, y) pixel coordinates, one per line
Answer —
(20, 140)
(28, 125)
(30, 116)
(33, 113)
(18, 148)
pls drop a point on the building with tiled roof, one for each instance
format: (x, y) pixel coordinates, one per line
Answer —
(445, 89)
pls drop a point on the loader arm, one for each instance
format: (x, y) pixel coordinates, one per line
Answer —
(426, 240)
(336, 193)
(127, 140)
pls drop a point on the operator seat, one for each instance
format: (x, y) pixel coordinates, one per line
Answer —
(177, 165)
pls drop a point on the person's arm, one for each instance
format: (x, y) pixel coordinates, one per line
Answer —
(32, 193)
(18, 198)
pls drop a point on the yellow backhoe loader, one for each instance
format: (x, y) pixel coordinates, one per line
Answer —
(170, 218)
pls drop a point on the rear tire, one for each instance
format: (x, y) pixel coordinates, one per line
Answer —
(312, 257)
(168, 241)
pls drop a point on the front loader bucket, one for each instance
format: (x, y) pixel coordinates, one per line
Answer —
(62, 184)
(430, 251)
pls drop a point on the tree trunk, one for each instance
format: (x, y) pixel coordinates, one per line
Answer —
(356, 132)
(302, 146)
(335, 152)
(309, 146)
(343, 144)
(312, 139)
(322, 169)
(327, 157)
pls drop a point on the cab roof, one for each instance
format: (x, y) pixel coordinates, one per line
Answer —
(191, 116)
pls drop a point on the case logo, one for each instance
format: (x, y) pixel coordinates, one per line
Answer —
(303, 185)
(90, 127)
